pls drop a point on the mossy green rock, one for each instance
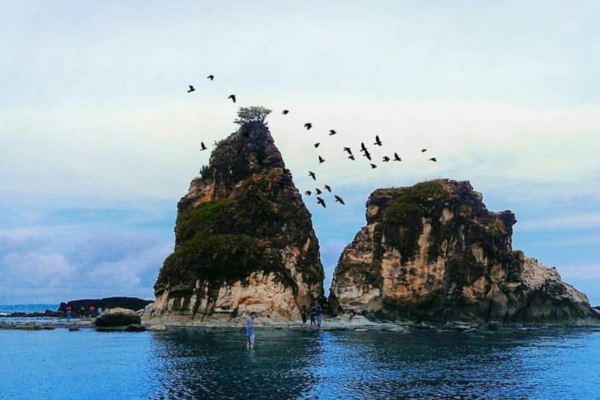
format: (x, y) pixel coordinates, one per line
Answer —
(433, 252)
(243, 238)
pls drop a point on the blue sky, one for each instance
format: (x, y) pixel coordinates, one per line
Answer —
(99, 138)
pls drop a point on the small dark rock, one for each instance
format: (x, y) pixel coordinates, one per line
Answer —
(135, 328)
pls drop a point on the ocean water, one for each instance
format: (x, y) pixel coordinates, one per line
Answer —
(292, 364)
(27, 308)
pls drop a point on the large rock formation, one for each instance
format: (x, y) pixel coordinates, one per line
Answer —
(243, 239)
(434, 252)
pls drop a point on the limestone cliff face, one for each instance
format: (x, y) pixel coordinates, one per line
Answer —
(434, 252)
(243, 239)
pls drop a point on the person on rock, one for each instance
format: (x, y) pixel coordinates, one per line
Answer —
(82, 312)
(250, 324)
(69, 312)
(313, 316)
(304, 313)
(92, 311)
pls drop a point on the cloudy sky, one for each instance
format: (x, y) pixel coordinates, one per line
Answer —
(99, 139)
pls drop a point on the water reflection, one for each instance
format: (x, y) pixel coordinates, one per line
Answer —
(372, 365)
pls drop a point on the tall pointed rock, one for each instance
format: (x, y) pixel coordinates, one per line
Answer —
(244, 239)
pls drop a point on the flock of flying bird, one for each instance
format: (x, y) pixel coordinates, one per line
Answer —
(308, 126)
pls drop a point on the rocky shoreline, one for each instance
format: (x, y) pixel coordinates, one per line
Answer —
(339, 323)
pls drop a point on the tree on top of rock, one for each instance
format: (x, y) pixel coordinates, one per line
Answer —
(252, 114)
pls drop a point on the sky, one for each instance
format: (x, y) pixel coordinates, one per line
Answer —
(99, 138)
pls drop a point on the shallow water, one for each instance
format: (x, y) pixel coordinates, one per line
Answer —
(290, 364)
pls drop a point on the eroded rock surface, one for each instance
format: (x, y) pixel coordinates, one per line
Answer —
(244, 240)
(434, 252)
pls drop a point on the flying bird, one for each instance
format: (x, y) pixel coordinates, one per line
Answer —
(397, 157)
(232, 97)
(362, 147)
(423, 150)
(373, 166)
(202, 146)
(317, 145)
(321, 202)
(351, 157)
(191, 89)
(386, 159)
(348, 150)
(308, 125)
(328, 188)
(211, 77)
(321, 160)
(433, 159)
(285, 112)
(308, 193)
(332, 132)
(368, 155)
(312, 175)
(318, 191)
(377, 141)
(339, 199)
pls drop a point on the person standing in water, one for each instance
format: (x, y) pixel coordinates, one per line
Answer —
(304, 313)
(250, 324)
(318, 312)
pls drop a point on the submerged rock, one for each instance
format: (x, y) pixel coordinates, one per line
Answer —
(244, 240)
(434, 252)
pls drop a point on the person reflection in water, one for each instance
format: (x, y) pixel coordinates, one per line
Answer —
(250, 324)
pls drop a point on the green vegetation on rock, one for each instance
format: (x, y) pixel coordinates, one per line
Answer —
(402, 216)
(252, 114)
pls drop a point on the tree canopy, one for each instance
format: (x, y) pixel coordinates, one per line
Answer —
(252, 114)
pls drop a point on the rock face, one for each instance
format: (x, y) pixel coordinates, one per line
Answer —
(434, 252)
(117, 317)
(132, 303)
(243, 239)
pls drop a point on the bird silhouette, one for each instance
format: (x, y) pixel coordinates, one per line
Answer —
(232, 97)
(312, 175)
(423, 150)
(367, 154)
(373, 166)
(202, 146)
(191, 89)
(433, 159)
(397, 157)
(308, 193)
(317, 145)
(285, 112)
(321, 202)
(339, 199)
(211, 77)
(332, 132)
(386, 159)
(362, 147)
(308, 125)
(348, 150)
(377, 141)
(318, 191)
(321, 160)
(351, 157)
(328, 188)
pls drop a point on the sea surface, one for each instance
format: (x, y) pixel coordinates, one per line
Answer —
(295, 364)
(6, 309)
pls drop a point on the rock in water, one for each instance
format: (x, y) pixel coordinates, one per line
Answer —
(434, 252)
(117, 317)
(244, 239)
